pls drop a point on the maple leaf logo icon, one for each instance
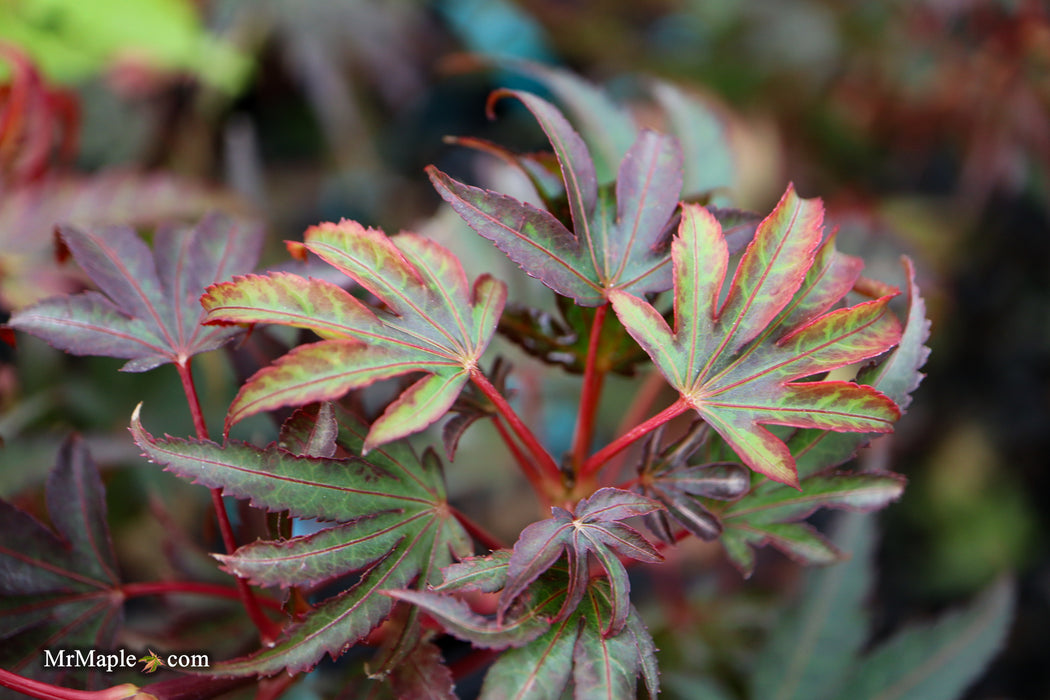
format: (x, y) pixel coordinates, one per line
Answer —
(152, 662)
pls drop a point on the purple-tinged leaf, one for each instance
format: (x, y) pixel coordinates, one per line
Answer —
(392, 524)
(531, 237)
(541, 168)
(577, 168)
(594, 529)
(687, 511)
(738, 227)
(149, 313)
(737, 363)
(618, 234)
(423, 675)
(434, 322)
(667, 476)
(770, 514)
(59, 586)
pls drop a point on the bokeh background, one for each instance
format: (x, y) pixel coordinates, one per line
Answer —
(923, 124)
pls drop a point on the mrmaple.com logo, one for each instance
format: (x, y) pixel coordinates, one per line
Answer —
(109, 661)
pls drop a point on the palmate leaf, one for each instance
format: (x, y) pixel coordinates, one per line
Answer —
(59, 588)
(433, 322)
(593, 530)
(737, 364)
(618, 234)
(148, 311)
(547, 651)
(392, 526)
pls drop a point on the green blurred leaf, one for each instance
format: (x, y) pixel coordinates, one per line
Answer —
(816, 640)
(72, 40)
(936, 661)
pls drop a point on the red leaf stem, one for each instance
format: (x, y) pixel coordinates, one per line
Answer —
(268, 630)
(477, 531)
(148, 588)
(592, 388)
(599, 458)
(542, 457)
(46, 691)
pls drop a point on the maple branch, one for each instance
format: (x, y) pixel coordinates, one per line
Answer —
(592, 388)
(599, 458)
(542, 457)
(46, 691)
(136, 590)
(268, 631)
(527, 467)
(477, 531)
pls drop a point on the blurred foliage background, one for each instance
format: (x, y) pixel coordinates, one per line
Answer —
(924, 125)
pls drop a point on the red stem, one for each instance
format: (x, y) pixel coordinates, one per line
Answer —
(46, 691)
(527, 467)
(268, 630)
(599, 458)
(542, 457)
(592, 388)
(477, 532)
(136, 590)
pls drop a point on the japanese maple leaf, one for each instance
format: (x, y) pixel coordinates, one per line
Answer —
(59, 587)
(148, 311)
(594, 529)
(737, 364)
(433, 322)
(618, 234)
(391, 525)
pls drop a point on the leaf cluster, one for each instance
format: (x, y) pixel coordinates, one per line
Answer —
(753, 322)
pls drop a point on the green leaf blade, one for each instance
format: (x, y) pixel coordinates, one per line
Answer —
(938, 661)
(814, 645)
(308, 487)
(290, 300)
(772, 268)
(312, 559)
